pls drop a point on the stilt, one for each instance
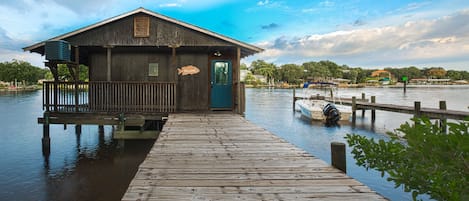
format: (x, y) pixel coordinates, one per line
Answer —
(373, 111)
(338, 156)
(443, 120)
(417, 109)
(363, 110)
(78, 129)
(65, 126)
(294, 99)
(354, 108)
(45, 135)
(101, 129)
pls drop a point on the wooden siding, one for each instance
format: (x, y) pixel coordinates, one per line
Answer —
(162, 33)
(131, 66)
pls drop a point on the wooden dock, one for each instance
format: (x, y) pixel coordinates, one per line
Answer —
(363, 104)
(224, 157)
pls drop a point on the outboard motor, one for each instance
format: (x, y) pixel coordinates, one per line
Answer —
(332, 113)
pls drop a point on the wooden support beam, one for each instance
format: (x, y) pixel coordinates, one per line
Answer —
(363, 110)
(373, 111)
(45, 135)
(354, 108)
(338, 156)
(442, 106)
(109, 62)
(417, 108)
(238, 80)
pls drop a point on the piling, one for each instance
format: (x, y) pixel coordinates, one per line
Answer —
(45, 134)
(78, 129)
(373, 111)
(294, 98)
(363, 110)
(405, 86)
(443, 120)
(338, 156)
(354, 108)
(417, 107)
(101, 129)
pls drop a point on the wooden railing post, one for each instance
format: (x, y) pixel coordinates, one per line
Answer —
(373, 111)
(363, 110)
(354, 108)
(443, 120)
(338, 156)
(417, 112)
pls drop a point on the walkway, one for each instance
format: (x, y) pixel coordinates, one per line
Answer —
(225, 157)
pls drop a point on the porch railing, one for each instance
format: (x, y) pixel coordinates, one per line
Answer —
(110, 97)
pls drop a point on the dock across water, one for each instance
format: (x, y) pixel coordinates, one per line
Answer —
(225, 157)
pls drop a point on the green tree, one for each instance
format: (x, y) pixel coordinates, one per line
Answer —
(268, 70)
(243, 66)
(429, 162)
(20, 71)
(64, 73)
(291, 73)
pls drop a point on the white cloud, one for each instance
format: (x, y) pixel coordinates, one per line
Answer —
(439, 40)
(263, 3)
(170, 5)
(327, 3)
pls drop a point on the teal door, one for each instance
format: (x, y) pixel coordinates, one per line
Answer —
(221, 84)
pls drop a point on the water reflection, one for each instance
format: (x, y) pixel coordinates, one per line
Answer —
(99, 170)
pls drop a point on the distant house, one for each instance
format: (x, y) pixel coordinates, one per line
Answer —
(244, 74)
(261, 78)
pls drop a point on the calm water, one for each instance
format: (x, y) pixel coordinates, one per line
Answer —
(272, 109)
(90, 166)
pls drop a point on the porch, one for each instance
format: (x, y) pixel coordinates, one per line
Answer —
(110, 97)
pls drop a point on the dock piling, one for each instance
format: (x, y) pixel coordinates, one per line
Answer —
(101, 129)
(78, 129)
(363, 110)
(443, 120)
(417, 107)
(294, 98)
(45, 135)
(354, 108)
(338, 159)
(373, 111)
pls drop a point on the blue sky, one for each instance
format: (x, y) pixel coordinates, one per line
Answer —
(358, 33)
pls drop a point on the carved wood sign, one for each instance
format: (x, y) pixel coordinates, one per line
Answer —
(141, 26)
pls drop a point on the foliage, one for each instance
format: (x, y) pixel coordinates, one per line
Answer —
(260, 67)
(430, 162)
(20, 70)
(290, 73)
(64, 73)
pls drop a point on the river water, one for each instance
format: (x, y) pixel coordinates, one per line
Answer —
(272, 109)
(91, 166)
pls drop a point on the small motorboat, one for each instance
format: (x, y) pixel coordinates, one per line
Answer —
(322, 110)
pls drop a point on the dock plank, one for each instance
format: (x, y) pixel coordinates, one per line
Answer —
(225, 157)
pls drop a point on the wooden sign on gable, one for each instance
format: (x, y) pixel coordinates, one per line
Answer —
(141, 26)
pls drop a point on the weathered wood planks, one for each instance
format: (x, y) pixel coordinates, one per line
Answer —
(224, 157)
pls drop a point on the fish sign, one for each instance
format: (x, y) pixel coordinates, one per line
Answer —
(188, 70)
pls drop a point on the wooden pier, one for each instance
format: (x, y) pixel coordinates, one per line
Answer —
(222, 156)
(363, 104)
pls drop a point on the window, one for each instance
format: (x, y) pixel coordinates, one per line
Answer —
(141, 26)
(153, 69)
(221, 73)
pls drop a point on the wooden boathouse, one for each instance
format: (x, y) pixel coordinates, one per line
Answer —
(142, 66)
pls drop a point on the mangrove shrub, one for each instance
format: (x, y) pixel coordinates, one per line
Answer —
(429, 160)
